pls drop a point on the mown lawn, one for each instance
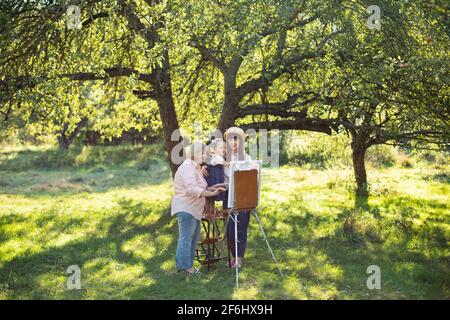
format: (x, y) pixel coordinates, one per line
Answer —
(112, 219)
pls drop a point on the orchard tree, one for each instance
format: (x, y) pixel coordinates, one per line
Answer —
(254, 44)
(326, 66)
(389, 85)
(289, 65)
(113, 38)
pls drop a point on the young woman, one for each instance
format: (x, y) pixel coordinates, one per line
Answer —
(235, 138)
(188, 204)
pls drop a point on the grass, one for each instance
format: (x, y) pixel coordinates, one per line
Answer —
(106, 209)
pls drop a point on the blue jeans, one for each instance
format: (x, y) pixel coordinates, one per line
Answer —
(189, 231)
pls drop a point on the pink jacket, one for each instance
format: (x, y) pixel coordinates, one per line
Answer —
(189, 184)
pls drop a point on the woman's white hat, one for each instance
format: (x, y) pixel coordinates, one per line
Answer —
(234, 131)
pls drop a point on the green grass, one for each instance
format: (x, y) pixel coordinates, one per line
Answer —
(107, 210)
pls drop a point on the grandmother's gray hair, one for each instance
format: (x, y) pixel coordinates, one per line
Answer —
(195, 148)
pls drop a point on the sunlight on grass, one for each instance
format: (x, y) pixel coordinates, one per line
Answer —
(114, 222)
(293, 289)
(168, 265)
(140, 247)
(108, 279)
(245, 293)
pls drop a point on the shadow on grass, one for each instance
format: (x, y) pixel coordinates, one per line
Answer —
(108, 266)
(89, 169)
(133, 258)
(362, 202)
(413, 262)
(443, 177)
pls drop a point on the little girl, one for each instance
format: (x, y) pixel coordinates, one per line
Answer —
(215, 175)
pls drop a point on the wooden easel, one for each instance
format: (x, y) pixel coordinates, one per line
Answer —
(246, 190)
(246, 199)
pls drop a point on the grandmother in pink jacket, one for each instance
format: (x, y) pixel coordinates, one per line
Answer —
(188, 205)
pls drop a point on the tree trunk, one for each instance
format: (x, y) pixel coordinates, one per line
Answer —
(162, 84)
(230, 103)
(65, 139)
(359, 167)
(159, 78)
(63, 143)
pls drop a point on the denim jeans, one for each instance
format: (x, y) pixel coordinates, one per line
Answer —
(189, 231)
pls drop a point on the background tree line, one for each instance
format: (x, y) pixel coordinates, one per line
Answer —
(154, 66)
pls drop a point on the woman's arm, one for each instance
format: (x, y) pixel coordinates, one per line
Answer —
(193, 188)
(190, 183)
(219, 185)
(214, 193)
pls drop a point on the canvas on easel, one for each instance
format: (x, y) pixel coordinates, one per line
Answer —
(244, 184)
(246, 189)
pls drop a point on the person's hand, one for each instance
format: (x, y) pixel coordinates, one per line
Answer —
(218, 190)
(220, 185)
(205, 171)
(211, 188)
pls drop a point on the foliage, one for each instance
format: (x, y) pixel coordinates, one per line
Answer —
(46, 157)
(316, 151)
(113, 221)
(302, 65)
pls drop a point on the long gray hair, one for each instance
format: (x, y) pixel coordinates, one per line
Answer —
(196, 148)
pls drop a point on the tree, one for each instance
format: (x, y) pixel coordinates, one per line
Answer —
(289, 65)
(254, 44)
(36, 42)
(390, 86)
(318, 67)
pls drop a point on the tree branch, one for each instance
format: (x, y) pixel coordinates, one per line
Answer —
(209, 56)
(280, 108)
(309, 124)
(145, 94)
(128, 10)
(267, 79)
(21, 82)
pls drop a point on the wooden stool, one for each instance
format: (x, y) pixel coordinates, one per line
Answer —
(208, 251)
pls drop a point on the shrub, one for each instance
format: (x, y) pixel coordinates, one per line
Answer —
(405, 161)
(432, 157)
(315, 150)
(46, 157)
(380, 156)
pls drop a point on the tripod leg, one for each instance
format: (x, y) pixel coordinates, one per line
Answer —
(236, 250)
(255, 214)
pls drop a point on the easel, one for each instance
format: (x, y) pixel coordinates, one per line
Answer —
(246, 199)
